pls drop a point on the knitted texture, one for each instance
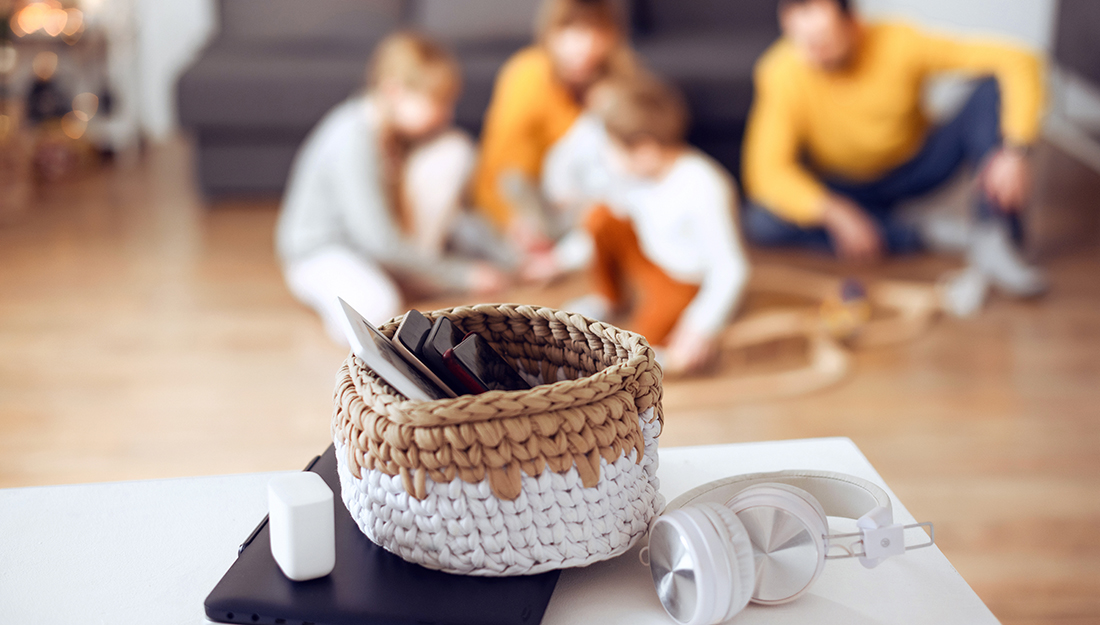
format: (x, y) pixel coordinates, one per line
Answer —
(555, 522)
(509, 482)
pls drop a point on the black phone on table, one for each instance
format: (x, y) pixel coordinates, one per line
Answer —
(480, 368)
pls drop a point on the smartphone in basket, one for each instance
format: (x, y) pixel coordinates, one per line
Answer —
(378, 353)
(444, 336)
(481, 368)
(409, 341)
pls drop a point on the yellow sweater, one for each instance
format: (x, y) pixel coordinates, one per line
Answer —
(530, 110)
(867, 119)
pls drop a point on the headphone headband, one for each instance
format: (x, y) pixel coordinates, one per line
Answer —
(840, 495)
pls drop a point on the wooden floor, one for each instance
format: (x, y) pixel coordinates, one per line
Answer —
(144, 336)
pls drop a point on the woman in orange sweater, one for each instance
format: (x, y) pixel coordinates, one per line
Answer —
(538, 95)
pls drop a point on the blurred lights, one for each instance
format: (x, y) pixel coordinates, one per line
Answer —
(48, 16)
(14, 24)
(44, 65)
(85, 106)
(74, 22)
(73, 126)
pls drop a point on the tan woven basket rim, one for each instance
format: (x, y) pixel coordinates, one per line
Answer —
(474, 407)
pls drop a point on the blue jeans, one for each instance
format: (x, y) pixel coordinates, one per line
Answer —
(968, 139)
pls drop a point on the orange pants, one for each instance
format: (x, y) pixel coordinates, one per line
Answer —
(621, 268)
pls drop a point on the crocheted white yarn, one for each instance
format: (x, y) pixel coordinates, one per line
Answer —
(554, 523)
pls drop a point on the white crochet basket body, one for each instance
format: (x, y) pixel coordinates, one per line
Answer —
(516, 482)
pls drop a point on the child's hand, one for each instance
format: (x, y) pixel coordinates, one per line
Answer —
(485, 279)
(690, 351)
(527, 237)
(541, 268)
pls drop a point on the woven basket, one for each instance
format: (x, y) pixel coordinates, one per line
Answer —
(509, 482)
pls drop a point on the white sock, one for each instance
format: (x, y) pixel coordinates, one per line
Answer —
(993, 253)
(963, 292)
(945, 232)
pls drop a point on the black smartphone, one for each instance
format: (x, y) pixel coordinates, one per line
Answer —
(412, 332)
(409, 340)
(480, 368)
(444, 335)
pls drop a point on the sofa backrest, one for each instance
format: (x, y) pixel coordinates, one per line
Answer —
(356, 23)
(655, 16)
(1076, 47)
(475, 20)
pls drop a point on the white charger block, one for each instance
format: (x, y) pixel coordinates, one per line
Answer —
(302, 525)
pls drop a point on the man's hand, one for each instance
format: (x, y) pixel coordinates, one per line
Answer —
(485, 279)
(690, 351)
(852, 230)
(1007, 179)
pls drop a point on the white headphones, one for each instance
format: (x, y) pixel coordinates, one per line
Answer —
(764, 538)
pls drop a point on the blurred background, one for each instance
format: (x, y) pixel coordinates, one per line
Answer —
(146, 331)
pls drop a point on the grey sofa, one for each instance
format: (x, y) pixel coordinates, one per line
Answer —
(277, 66)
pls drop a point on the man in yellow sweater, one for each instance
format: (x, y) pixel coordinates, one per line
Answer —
(837, 139)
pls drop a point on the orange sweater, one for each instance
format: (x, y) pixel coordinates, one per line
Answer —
(529, 112)
(861, 122)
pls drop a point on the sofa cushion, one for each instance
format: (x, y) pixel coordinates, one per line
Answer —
(262, 22)
(244, 167)
(476, 20)
(238, 88)
(652, 17)
(713, 69)
(480, 64)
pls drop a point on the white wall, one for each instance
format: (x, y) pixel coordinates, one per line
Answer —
(170, 35)
(1030, 22)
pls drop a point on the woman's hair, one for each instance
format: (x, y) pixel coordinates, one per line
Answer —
(415, 62)
(557, 14)
(643, 107)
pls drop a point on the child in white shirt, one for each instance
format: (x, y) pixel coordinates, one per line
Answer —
(667, 232)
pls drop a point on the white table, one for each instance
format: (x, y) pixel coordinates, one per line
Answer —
(145, 552)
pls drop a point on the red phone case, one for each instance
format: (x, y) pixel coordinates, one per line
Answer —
(455, 366)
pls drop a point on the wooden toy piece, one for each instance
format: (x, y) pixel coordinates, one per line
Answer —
(909, 306)
(828, 361)
(914, 306)
(848, 310)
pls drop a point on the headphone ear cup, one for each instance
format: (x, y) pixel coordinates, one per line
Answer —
(774, 514)
(739, 555)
